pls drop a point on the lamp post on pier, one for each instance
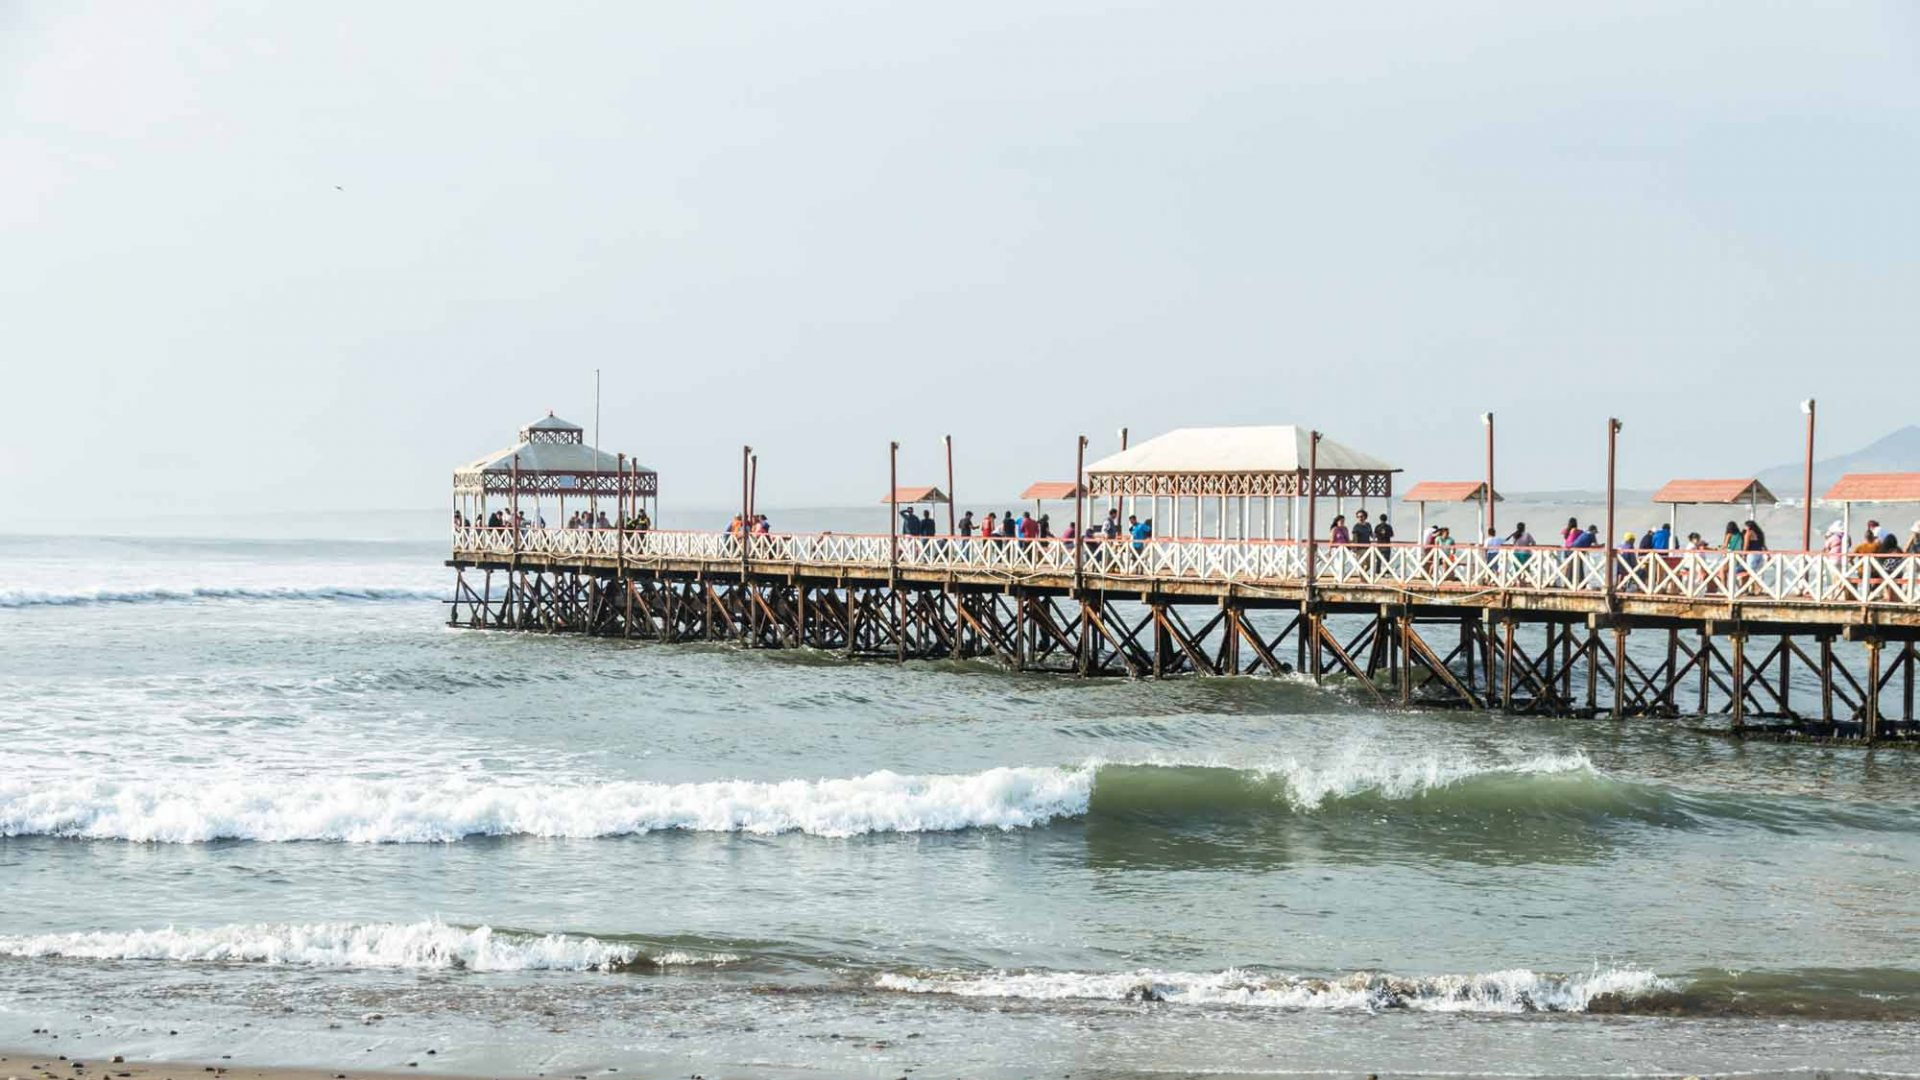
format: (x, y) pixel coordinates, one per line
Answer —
(893, 508)
(746, 506)
(1486, 497)
(1606, 546)
(1313, 483)
(952, 527)
(1079, 514)
(1806, 505)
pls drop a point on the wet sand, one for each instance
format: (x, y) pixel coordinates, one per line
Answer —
(27, 1065)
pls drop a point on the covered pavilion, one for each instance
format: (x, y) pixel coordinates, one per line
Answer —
(1051, 491)
(1449, 491)
(1678, 493)
(1872, 488)
(1224, 482)
(552, 460)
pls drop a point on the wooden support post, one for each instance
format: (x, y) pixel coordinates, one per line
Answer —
(1871, 708)
(1706, 671)
(1405, 664)
(1506, 665)
(1739, 681)
(1826, 679)
(1906, 707)
(1668, 693)
(1619, 671)
(1786, 681)
(1872, 704)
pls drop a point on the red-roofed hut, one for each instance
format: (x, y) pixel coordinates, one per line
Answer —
(1678, 493)
(1449, 491)
(1872, 488)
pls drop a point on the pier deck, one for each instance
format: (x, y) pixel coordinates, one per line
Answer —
(1793, 642)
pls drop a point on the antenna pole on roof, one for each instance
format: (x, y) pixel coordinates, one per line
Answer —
(596, 411)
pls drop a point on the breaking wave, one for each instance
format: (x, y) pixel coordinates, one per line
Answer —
(28, 598)
(420, 946)
(394, 811)
(439, 810)
(1513, 991)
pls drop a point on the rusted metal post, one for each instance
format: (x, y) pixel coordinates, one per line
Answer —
(513, 507)
(893, 514)
(1806, 506)
(1486, 497)
(753, 485)
(1079, 518)
(1606, 544)
(952, 525)
(1313, 479)
(746, 509)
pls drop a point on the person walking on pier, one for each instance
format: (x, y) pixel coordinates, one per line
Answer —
(1362, 530)
(965, 526)
(1520, 540)
(1913, 539)
(1113, 524)
(1339, 534)
(990, 529)
(1009, 527)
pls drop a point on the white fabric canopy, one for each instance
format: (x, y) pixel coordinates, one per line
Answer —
(1280, 448)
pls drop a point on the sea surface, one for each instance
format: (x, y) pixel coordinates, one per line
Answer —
(257, 800)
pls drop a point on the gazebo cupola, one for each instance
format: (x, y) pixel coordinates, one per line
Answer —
(552, 429)
(551, 460)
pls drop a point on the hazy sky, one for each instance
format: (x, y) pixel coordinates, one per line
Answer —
(312, 255)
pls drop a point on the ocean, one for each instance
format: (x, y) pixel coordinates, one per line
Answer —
(259, 804)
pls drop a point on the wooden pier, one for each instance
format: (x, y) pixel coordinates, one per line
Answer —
(1786, 643)
(1774, 642)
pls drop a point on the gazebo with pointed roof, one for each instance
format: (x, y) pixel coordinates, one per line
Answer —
(551, 459)
(1238, 463)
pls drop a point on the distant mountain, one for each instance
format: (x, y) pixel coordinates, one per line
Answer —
(1898, 452)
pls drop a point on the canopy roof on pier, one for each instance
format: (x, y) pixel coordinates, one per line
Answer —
(1051, 490)
(1239, 461)
(928, 494)
(1875, 487)
(1427, 491)
(552, 458)
(1717, 492)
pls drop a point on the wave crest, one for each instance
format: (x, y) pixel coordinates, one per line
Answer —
(1512, 991)
(422, 946)
(394, 811)
(193, 810)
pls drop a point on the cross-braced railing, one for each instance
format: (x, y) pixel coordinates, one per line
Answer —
(1789, 577)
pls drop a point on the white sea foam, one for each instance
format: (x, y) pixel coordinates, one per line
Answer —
(1311, 783)
(26, 598)
(426, 946)
(394, 811)
(1511, 991)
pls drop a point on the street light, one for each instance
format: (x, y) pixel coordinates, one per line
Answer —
(1806, 507)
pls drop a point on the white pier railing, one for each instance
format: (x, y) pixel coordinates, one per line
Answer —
(1778, 576)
